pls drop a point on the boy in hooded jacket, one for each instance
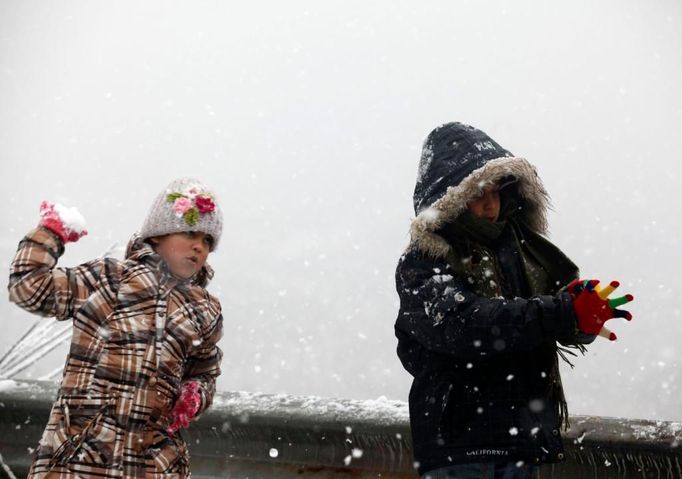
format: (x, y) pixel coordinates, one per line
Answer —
(484, 299)
(144, 354)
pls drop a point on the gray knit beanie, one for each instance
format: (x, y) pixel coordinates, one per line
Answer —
(185, 205)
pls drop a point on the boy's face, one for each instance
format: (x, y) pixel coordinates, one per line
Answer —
(185, 253)
(486, 206)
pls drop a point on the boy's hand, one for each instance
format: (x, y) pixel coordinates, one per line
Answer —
(186, 407)
(593, 307)
(67, 223)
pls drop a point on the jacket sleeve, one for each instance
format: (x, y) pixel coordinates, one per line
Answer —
(203, 364)
(579, 338)
(38, 286)
(441, 312)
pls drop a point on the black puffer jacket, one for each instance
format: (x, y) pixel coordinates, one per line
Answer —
(481, 389)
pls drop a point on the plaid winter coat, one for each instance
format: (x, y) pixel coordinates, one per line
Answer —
(138, 334)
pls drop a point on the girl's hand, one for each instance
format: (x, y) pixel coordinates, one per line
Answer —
(186, 407)
(67, 223)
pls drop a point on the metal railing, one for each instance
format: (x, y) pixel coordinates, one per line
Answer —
(247, 435)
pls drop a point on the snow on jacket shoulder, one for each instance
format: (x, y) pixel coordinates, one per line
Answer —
(440, 311)
(482, 389)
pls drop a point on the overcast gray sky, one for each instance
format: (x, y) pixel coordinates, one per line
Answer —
(307, 118)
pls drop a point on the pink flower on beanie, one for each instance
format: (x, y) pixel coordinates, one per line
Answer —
(182, 205)
(204, 204)
(191, 191)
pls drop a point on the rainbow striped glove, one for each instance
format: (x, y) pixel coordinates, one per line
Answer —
(593, 308)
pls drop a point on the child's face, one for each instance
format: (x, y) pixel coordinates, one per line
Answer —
(486, 206)
(185, 253)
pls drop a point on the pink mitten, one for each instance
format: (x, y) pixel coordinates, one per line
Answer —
(186, 407)
(67, 223)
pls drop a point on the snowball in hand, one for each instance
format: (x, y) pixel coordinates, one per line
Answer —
(66, 222)
(71, 217)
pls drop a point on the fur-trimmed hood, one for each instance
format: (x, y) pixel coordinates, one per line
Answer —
(458, 161)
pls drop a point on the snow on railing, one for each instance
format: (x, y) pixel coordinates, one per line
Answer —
(278, 436)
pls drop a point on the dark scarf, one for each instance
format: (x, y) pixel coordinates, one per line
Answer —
(545, 268)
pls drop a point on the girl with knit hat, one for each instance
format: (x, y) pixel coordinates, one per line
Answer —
(144, 355)
(484, 299)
